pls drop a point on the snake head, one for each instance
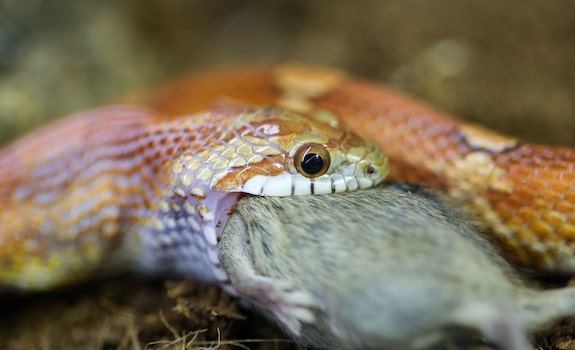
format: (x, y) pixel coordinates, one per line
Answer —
(273, 152)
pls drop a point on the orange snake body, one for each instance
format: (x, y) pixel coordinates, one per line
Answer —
(524, 193)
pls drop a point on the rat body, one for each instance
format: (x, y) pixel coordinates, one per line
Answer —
(380, 269)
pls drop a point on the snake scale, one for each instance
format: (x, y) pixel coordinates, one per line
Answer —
(121, 184)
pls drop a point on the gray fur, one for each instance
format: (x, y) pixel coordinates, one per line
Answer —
(379, 269)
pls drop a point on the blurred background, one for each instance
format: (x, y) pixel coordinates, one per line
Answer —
(507, 64)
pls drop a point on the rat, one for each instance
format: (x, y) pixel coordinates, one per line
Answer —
(388, 268)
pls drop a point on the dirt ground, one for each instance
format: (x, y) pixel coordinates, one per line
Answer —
(508, 65)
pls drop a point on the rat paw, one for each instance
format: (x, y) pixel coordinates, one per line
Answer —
(291, 307)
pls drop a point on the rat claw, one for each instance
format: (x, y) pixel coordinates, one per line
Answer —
(290, 307)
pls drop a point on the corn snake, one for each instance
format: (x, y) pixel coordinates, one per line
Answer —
(524, 193)
(124, 187)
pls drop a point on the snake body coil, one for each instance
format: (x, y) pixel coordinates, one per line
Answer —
(121, 184)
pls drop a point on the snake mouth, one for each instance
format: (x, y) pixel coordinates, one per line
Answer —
(347, 175)
(294, 185)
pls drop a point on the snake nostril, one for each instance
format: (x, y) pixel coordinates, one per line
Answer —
(370, 170)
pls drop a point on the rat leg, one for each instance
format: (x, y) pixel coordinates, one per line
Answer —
(290, 306)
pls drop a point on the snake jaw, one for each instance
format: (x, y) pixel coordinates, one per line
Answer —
(349, 177)
(280, 185)
(277, 176)
(346, 173)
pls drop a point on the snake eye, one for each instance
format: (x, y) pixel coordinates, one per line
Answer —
(312, 160)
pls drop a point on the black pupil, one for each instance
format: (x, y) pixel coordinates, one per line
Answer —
(312, 163)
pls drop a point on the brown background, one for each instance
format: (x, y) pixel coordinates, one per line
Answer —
(507, 64)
